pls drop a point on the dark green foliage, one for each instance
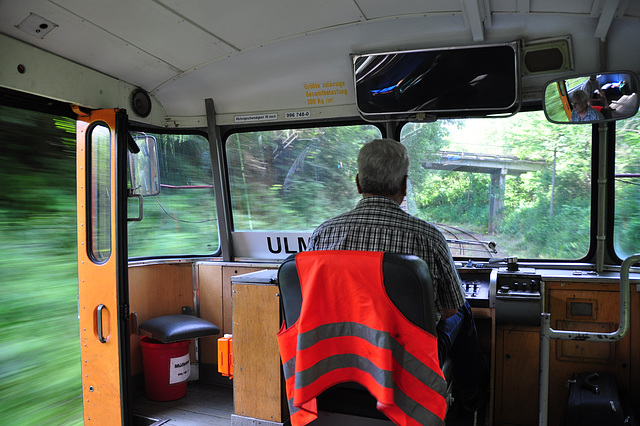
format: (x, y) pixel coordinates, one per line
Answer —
(627, 214)
(181, 219)
(292, 180)
(40, 379)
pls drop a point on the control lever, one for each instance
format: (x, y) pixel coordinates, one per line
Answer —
(472, 264)
(512, 262)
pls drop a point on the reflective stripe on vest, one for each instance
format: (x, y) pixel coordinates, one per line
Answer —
(365, 339)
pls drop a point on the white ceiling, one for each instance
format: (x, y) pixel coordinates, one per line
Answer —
(250, 55)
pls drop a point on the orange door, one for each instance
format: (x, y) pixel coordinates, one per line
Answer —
(564, 97)
(102, 266)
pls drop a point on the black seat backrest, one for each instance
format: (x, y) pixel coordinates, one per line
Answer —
(408, 284)
(406, 278)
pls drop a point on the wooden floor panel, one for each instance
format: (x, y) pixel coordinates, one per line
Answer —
(203, 404)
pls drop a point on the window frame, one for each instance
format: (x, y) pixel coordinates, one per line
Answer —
(140, 127)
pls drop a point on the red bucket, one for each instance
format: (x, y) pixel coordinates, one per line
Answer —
(166, 368)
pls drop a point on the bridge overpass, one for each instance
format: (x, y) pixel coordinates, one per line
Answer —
(496, 165)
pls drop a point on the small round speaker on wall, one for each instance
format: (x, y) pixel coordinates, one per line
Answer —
(141, 102)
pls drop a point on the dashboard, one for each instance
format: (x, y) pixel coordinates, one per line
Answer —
(514, 294)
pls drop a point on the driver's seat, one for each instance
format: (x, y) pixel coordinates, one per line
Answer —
(408, 285)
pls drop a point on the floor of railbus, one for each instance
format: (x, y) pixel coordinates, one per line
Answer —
(458, 416)
(213, 405)
(202, 405)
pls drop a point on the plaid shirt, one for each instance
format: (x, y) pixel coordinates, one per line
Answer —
(379, 224)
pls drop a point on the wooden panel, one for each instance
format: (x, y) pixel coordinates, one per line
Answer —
(227, 273)
(156, 290)
(256, 359)
(211, 308)
(517, 375)
(610, 357)
(486, 328)
(214, 282)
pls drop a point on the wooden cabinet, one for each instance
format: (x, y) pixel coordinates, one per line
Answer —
(579, 306)
(517, 375)
(584, 306)
(258, 389)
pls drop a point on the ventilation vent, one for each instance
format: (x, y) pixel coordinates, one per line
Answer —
(547, 56)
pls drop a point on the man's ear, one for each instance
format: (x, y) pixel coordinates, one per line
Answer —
(358, 184)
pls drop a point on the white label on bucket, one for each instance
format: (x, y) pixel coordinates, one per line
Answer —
(179, 369)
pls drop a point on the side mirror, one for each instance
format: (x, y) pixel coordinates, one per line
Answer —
(595, 98)
(144, 170)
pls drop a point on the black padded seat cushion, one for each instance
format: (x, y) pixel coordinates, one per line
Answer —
(173, 328)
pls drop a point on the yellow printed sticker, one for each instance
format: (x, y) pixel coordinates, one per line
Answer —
(325, 93)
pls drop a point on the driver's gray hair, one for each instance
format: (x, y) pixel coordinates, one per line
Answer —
(382, 166)
(579, 96)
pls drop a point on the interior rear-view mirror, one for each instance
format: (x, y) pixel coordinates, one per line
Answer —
(594, 98)
(437, 83)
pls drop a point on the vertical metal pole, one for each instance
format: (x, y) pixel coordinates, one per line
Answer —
(545, 322)
(602, 197)
(390, 128)
(220, 182)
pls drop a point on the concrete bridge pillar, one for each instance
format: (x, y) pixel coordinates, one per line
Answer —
(496, 198)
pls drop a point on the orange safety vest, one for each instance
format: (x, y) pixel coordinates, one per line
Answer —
(350, 331)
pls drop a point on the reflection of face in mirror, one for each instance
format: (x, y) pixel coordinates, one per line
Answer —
(592, 98)
(591, 86)
(582, 111)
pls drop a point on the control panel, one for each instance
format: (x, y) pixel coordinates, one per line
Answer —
(514, 293)
(477, 286)
(518, 297)
(518, 285)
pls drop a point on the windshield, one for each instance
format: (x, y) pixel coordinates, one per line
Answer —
(501, 187)
(495, 187)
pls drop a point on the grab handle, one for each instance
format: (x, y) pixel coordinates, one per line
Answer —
(140, 207)
(99, 315)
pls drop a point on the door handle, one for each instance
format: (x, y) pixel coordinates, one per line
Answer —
(100, 332)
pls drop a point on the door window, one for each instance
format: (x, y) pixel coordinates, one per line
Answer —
(99, 195)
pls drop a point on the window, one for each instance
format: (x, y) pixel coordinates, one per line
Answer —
(292, 180)
(519, 182)
(517, 186)
(181, 218)
(626, 236)
(100, 193)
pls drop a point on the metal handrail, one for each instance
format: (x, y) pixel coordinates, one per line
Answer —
(547, 333)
